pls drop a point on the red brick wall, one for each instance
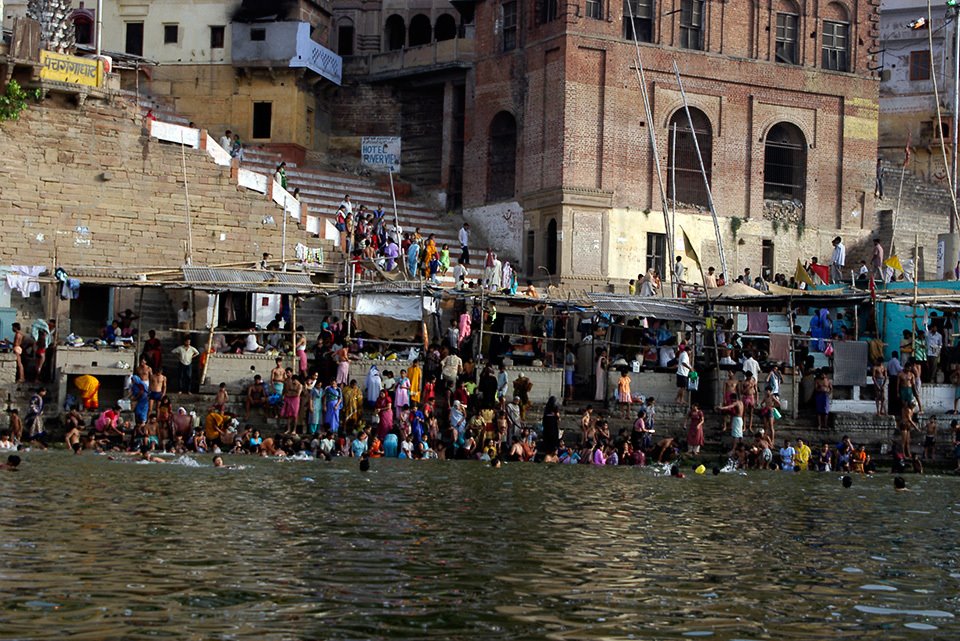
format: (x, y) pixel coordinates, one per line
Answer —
(572, 87)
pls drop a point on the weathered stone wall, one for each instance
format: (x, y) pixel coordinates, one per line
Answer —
(85, 185)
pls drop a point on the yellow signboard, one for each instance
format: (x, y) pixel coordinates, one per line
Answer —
(63, 68)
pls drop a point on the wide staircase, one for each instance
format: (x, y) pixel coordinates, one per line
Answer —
(323, 190)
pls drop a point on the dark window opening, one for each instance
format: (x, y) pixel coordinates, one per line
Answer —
(83, 30)
(217, 37)
(766, 260)
(640, 27)
(787, 49)
(691, 24)
(502, 161)
(421, 31)
(595, 9)
(685, 166)
(171, 34)
(345, 40)
(656, 252)
(920, 65)
(134, 39)
(552, 246)
(262, 119)
(258, 35)
(395, 31)
(548, 11)
(836, 46)
(785, 163)
(531, 247)
(509, 25)
(445, 28)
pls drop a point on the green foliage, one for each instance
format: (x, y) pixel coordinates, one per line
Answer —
(735, 225)
(13, 101)
(800, 229)
(776, 226)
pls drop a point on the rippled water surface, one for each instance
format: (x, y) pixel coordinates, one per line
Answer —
(98, 549)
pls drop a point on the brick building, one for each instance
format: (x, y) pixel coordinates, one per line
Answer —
(783, 101)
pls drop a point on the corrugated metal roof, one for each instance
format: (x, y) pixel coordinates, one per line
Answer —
(248, 280)
(647, 307)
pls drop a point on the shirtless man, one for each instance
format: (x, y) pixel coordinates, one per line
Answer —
(72, 438)
(730, 387)
(822, 393)
(735, 408)
(278, 375)
(143, 369)
(879, 375)
(220, 402)
(158, 389)
(151, 432)
(18, 352)
(292, 391)
(256, 396)
(907, 385)
(16, 425)
(587, 429)
(748, 392)
(930, 440)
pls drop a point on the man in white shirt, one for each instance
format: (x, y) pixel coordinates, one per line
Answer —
(678, 271)
(464, 236)
(184, 316)
(751, 365)
(837, 261)
(460, 276)
(683, 375)
(185, 355)
(934, 345)
(226, 141)
(450, 368)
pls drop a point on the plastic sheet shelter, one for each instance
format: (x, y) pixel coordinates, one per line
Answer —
(392, 316)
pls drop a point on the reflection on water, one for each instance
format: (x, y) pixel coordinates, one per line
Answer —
(97, 549)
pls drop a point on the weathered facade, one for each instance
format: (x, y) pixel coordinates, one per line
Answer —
(227, 64)
(784, 104)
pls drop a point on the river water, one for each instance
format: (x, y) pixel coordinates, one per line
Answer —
(98, 549)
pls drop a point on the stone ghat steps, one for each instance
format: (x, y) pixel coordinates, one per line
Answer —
(323, 190)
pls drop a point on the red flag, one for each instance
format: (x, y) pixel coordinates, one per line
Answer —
(906, 151)
(823, 271)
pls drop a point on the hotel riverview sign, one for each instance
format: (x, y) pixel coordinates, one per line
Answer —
(70, 69)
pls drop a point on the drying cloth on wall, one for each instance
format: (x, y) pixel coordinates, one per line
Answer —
(780, 348)
(70, 289)
(757, 322)
(302, 252)
(23, 278)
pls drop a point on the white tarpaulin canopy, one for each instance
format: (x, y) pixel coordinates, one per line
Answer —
(392, 315)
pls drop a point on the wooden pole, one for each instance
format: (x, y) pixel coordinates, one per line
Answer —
(139, 325)
(293, 331)
(206, 353)
(794, 389)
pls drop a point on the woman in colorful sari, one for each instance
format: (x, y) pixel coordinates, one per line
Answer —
(89, 388)
(332, 402)
(401, 395)
(384, 409)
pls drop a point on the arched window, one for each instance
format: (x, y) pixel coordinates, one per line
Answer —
(788, 23)
(395, 33)
(502, 157)
(421, 31)
(552, 246)
(83, 26)
(446, 28)
(686, 167)
(785, 163)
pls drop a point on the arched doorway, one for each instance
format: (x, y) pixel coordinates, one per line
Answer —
(689, 181)
(445, 29)
(785, 163)
(502, 157)
(395, 33)
(552, 246)
(421, 31)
